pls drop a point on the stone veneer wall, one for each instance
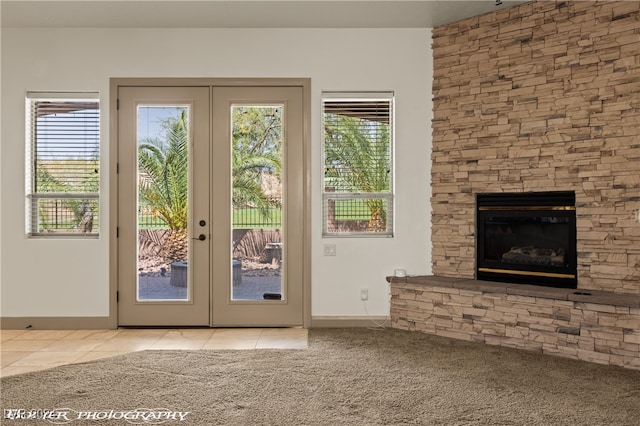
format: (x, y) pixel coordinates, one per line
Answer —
(599, 327)
(542, 96)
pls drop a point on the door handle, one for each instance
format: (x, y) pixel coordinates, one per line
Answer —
(201, 237)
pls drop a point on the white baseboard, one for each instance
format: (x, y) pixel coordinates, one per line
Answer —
(344, 322)
(104, 323)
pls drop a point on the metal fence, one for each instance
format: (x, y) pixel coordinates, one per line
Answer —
(247, 218)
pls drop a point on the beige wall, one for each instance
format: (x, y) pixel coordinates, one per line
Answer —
(69, 278)
(543, 96)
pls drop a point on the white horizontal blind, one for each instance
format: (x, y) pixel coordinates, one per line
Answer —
(358, 164)
(63, 134)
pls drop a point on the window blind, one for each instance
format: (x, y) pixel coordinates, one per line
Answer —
(358, 164)
(63, 131)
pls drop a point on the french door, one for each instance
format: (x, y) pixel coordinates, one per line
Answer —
(211, 197)
(258, 126)
(163, 206)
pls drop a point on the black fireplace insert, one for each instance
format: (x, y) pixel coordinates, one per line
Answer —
(527, 238)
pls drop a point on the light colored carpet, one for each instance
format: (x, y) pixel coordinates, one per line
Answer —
(346, 377)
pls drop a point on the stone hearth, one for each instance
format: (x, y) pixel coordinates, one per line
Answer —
(593, 326)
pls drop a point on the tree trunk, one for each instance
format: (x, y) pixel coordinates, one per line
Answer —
(176, 246)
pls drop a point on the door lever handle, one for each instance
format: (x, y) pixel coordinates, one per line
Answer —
(201, 237)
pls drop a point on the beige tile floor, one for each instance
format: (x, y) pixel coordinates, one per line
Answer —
(22, 351)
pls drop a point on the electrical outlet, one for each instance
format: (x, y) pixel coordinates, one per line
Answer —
(329, 249)
(364, 294)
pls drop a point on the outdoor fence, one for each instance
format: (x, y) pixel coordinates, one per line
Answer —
(247, 243)
(247, 218)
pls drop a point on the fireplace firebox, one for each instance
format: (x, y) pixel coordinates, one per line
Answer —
(527, 238)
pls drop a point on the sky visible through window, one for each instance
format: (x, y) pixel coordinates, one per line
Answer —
(67, 134)
(151, 117)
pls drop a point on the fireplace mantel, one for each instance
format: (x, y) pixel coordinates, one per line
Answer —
(570, 294)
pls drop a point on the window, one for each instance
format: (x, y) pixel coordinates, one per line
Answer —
(63, 147)
(358, 165)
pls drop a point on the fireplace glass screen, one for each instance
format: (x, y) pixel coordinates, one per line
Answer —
(527, 238)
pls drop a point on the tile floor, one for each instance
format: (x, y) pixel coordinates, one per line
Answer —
(22, 351)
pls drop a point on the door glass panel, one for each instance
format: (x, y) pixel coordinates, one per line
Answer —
(163, 201)
(257, 243)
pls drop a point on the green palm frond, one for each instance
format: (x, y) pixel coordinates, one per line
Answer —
(358, 161)
(164, 167)
(257, 149)
(164, 175)
(83, 210)
(357, 158)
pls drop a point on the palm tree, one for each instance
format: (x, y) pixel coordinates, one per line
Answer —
(164, 177)
(163, 185)
(257, 151)
(83, 210)
(357, 159)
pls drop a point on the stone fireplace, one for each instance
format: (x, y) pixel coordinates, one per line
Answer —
(527, 238)
(539, 97)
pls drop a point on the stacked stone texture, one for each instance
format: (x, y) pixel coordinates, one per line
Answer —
(539, 97)
(586, 328)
